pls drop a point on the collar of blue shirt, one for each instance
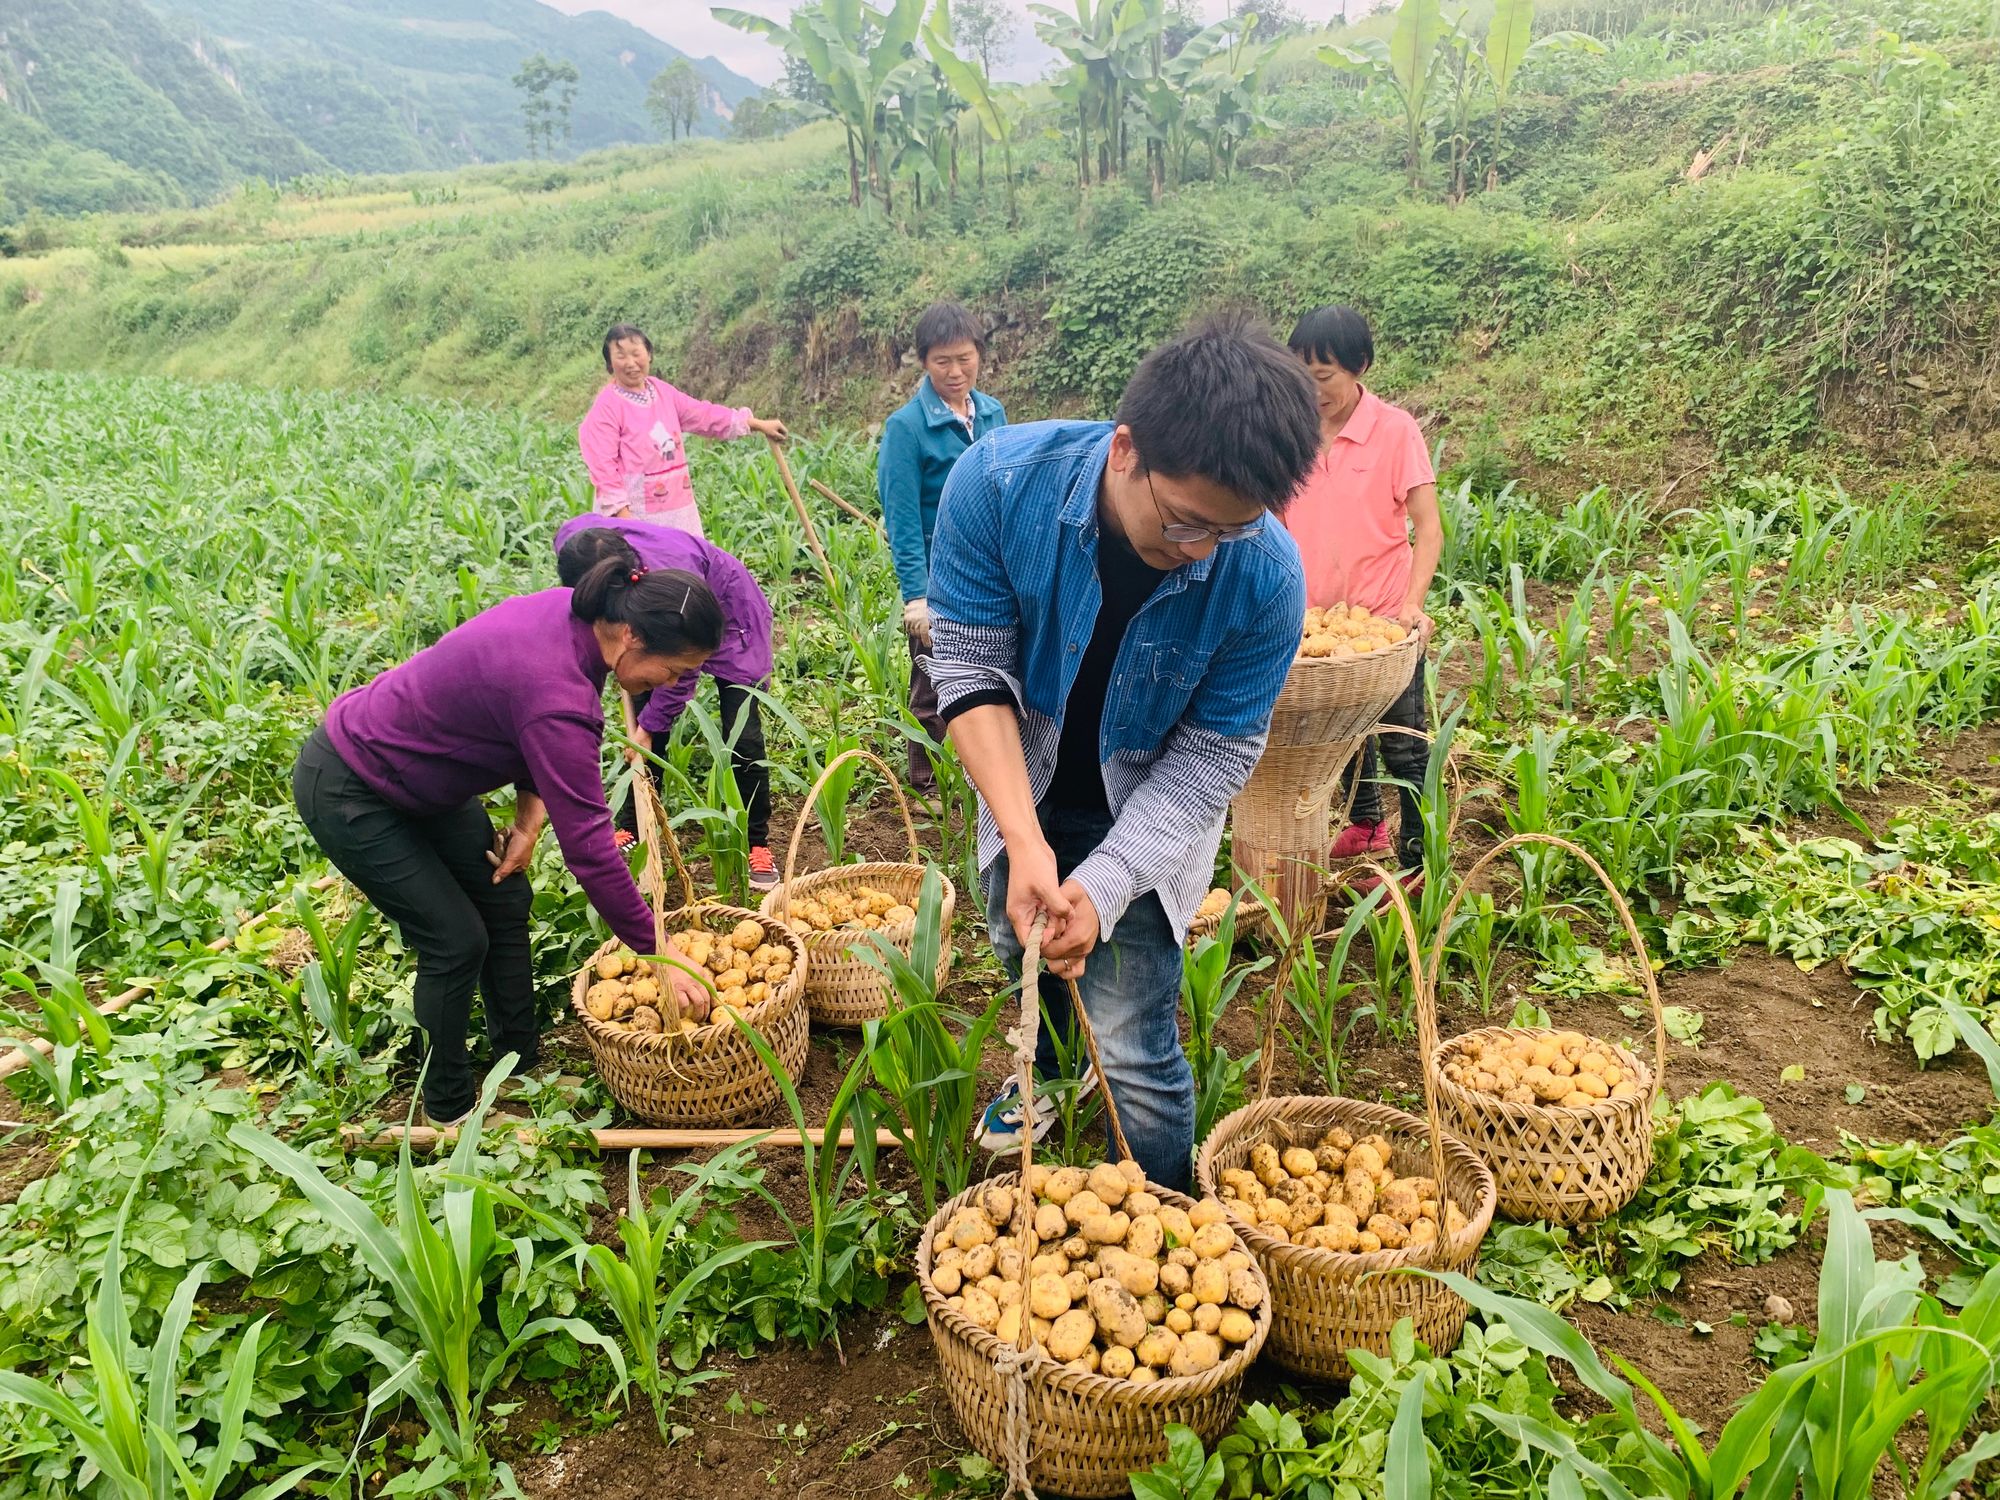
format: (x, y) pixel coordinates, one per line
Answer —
(937, 414)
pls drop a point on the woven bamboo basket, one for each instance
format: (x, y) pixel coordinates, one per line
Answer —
(1569, 1166)
(841, 989)
(713, 1076)
(1252, 918)
(1281, 821)
(1325, 1303)
(1048, 1426)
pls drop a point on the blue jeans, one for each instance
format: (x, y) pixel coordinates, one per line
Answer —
(1131, 987)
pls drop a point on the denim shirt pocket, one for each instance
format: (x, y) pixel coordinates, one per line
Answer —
(1153, 694)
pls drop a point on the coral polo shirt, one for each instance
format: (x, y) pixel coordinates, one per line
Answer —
(1351, 515)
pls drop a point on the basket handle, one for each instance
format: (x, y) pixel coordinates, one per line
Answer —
(811, 810)
(1427, 1025)
(1274, 1000)
(1641, 958)
(655, 835)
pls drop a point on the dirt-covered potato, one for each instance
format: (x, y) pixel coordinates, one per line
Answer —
(1064, 1184)
(1071, 1334)
(1117, 1362)
(981, 1308)
(1246, 1289)
(1298, 1161)
(1400, 1200)
(1178, 1319)
(1109, 1184)
(1213, 1239)
(1236, 1326)
(1008, 1329)
(980, 1259)
(1157, 1347)
(645, 1018)
(1048, 1297)
(1084, 1205)
(948, 1279)
(1210, 1282)
(1140, 1202)
(998, 1203)
(1145, 1237)
(1139, 1275)
(1207, 1317)
(1119, 1319)
(1077, 1284)
(1050, 1224)
(1195, 1353)
(1175, 1278)
(970, 1229)
(1106, 1228)
(1392, 1233)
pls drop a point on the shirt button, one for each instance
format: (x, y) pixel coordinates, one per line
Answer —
(1072, 647)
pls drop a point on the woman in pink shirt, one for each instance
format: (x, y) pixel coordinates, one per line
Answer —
(634, 436)
(1366, 521)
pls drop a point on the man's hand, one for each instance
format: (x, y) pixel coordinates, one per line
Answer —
(770, 427)
(641, 746)
(1064, 950)
(917, 620)
(1034, 887)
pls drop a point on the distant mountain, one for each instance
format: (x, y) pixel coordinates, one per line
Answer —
(106, 104)
(387, 85)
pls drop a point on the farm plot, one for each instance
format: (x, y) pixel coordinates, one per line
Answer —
(1763, 720)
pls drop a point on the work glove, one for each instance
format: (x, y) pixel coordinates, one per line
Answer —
(917, 621)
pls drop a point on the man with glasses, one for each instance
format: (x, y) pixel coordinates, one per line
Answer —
(1113, 614)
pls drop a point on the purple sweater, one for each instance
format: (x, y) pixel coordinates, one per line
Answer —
(744, 657)
(514, 696)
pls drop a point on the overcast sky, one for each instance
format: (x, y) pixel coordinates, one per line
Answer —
(688, 26)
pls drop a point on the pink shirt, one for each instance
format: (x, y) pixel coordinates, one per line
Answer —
(1351, 515)
(637, 455)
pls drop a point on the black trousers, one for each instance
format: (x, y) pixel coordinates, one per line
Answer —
(430, 876)
(753, 776)
(1406, 758)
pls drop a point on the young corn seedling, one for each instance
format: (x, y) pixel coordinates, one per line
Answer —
(69, 1020)
(1209, 981)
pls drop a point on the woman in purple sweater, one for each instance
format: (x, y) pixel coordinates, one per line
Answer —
(390, 786)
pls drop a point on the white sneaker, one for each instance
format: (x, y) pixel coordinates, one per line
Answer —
(999, 1128)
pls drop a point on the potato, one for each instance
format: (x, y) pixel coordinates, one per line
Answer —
(1177, 1223)
(1133, 1173)
(1194, 1354)
(1175, 1279)
(1050, 1223)
(1207, 1211)
(991, 1286)
(1076, 1284)
(1119, 1319)
(1071, 1334)
(1136, 1274)
(1140, 1202)
(1364, 1157)
(1298, 1162)
(1212, 1240)
(981, 1308)
(968, 1230)
(1145, 1237)
(1184, 1257)
(1008, 1329)
(1392, 1233)
(998, 1203)
(1178, 1319)
(980, 1261)
(601, 999)
(948, 1279)
(1154, 1307)
(1276, 1214)
(610, 966)
(1358, 1193)
(1106, 1229)
(1246, 1289)
(1117, 1362)
(1108, 1183)
(1007, 1262)
(1210, 1283)
(1367, 1242)
(1423, 1232)
(1399, 1200)
(1007, 1294)
(1157, 1348)
(747, 935)
(645, 1018)
(1236, 1261)
(1083, 1205)
(1064, 1184)
(1236, 1326)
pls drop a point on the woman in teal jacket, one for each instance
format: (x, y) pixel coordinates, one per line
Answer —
(920, 443)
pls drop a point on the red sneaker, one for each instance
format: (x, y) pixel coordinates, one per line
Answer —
(763, 868)
(1357, 839)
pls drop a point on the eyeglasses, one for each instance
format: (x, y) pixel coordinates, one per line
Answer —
(1187, 531)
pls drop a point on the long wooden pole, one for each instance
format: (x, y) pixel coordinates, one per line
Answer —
(13, 1062)
(354, 1138)
(851, 510)
(799, 506)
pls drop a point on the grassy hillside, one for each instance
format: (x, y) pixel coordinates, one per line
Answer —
(109, 106)
(1767, 246)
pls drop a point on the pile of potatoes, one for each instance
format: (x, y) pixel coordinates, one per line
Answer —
(1341, 1195)
(863, 909)
(1566, 1070)
(1121, 1284)
(743, 965)
(1347, 630)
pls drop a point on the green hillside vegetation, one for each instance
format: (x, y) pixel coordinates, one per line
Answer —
(110, 107)
(1724, 244)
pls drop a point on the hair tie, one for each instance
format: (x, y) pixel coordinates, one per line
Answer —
(636, 574)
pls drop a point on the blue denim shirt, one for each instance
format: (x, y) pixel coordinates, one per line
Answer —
(920, 442)
(1014, 596)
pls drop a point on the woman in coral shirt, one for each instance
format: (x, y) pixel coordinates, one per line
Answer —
(634, 436)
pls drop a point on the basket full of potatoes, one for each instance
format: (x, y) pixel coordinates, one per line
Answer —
(1327, 1192)
(673, 1069)
(1564, 1120)
(1143, 1308)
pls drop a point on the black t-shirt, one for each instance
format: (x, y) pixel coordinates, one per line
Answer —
(1128, 582)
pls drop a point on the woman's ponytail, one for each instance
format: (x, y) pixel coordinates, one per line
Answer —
(671, 610)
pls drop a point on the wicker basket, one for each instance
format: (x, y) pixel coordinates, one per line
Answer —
(1281, 821)
(1604, 1151)
(1051, 1427)
(1252, 917)
(714, 1076)
(842, 990)
(1324, 1302)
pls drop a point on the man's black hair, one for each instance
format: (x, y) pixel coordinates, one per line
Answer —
(1224, 401)
(1335, 335)
(948, 323)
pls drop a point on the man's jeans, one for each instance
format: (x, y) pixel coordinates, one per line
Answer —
(1131, 988)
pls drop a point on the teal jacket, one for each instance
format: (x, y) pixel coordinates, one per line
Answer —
(920, 443)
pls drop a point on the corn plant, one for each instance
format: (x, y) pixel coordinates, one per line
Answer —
(78, 1035)
(1210, 979)
(1318, 993)
(924, 1057)
(435, 1265)
(132, 1434)
(1823, 1428)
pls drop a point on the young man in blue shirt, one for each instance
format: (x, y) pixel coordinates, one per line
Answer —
(920, 443)
(1113, 613)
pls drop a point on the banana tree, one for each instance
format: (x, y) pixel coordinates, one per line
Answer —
(1108, 45)
(1508, 45)
(996, 109)
(1406, 61)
